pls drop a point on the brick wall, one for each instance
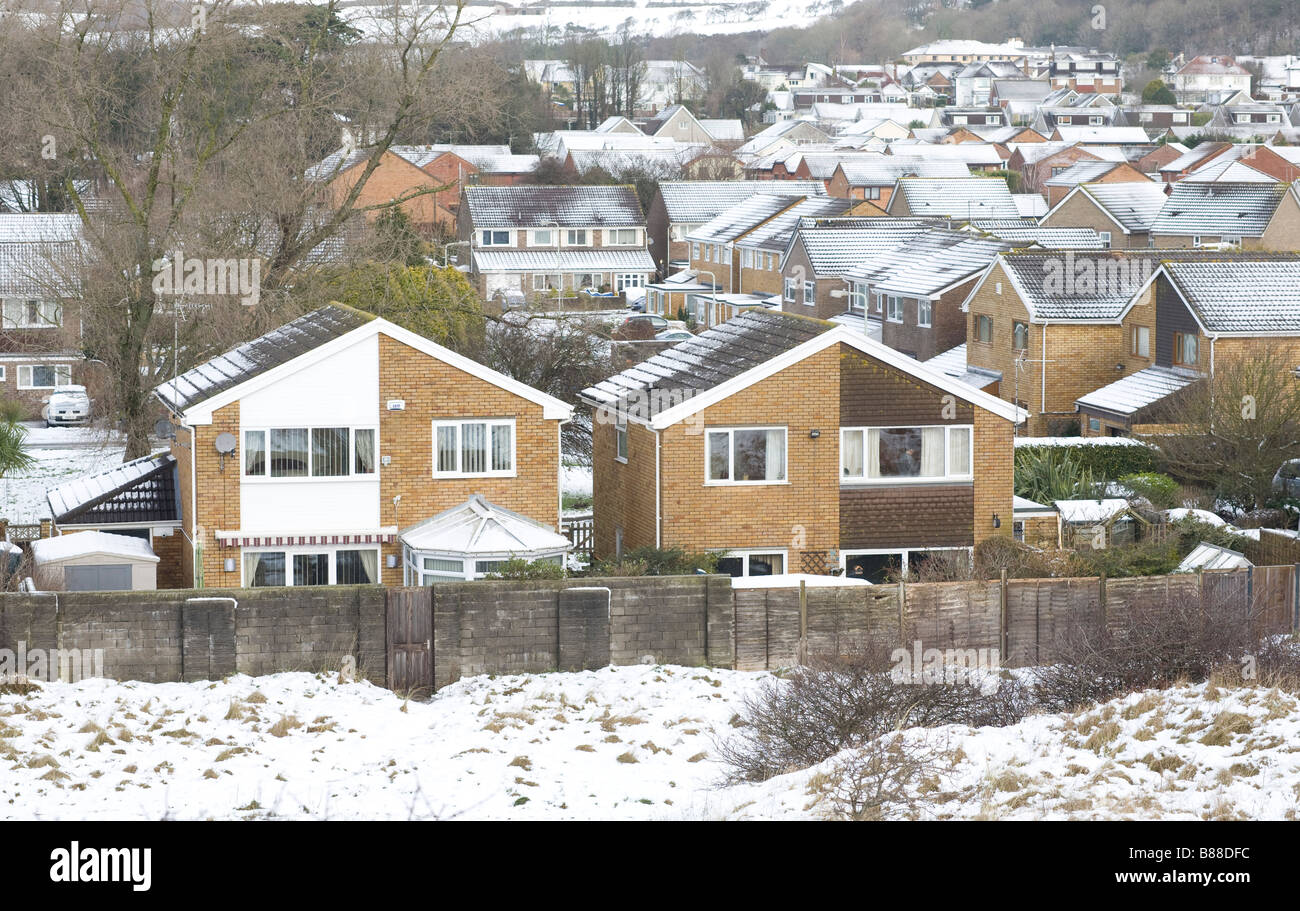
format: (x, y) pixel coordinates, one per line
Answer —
(1082, 212)
(434, 391)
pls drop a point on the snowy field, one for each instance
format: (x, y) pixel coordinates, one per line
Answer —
(618, 743)
(649, 17)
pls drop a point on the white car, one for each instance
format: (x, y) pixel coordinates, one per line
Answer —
(67, 405)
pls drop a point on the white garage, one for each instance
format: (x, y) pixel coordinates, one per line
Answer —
(86, 561)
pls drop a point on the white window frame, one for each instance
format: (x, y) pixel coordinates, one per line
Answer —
(695, 250)
(487, 237)
(62, 375)
(459, 423)
(612, 237)
(924, 312)
(620, 443)
(575, 237)
(290, 551)
(1141, 344)
(265, 476)
(730, 481)
(535, 240)
(858, 296)
(809, 293)
(893, 308)
(901, 552)
(2, 373)
(1105, 238)
(745, 554)
(949, 476)
(49, 314)
(788, 291)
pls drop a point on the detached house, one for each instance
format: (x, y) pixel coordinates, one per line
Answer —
(341, 448)
(808, 447)
(40, 327)
(544, 241)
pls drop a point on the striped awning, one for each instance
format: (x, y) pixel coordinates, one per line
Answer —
(264, 539)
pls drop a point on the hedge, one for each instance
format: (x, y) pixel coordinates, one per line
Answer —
(1105, 462)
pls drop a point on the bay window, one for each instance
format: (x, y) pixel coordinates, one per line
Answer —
(745, 455)
(880, 454)
(474, 448)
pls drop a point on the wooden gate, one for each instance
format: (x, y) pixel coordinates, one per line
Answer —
(409, 636)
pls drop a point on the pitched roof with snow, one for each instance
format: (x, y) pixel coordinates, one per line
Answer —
(38, 253)
(605, 259)
(953, 363)
(741, 218)
(697, 201)
(481, 529)
(774, 234)
(538, 207)
(959, 197)
(885, 170)
(834, 249)
(142, 490)
(1133, 205)
(716, 355)
(1242, 295)
(1130, 394)
(929, 263)
(1222, 209)
(279, 346)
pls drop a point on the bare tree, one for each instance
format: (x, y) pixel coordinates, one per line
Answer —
(198, 127)
(1232, 431)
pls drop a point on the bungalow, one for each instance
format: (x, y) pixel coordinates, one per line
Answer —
(810, 448)
(343, 449)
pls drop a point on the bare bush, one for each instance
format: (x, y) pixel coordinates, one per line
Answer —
(1150, 645)
(887, 776)
(835, 704)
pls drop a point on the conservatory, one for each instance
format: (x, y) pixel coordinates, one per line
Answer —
(472, 540)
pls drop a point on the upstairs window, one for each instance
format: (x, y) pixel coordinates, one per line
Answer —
(474, 448)
(576, 237)
(621, 237)
(1186, 349)
(745, 455)
(924, 311)
(809, 293)
(1020, 336)
(494, 238)
(302, 452)
(984, 329)
(31, 314)
(905, 453)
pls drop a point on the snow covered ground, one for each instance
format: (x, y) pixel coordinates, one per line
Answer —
(652, 17)
(22, 493)
(618, 743)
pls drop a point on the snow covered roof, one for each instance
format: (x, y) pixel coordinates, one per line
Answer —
(1074, 511)
(543, 260)
(1234, 209)
(142, 490)
(481, 529)
(1133, 206)
(834, 248)
(1025, 506)
(538, 207)
(953, 363)
(697, 201)
(929, 263)
(774, 234)
(91, 543)
(1103, 135)
(37, 251)
(1212, 556)
(741, 218)
(957, 197)
(1239, 295)
(279, 346)
(1130, 394)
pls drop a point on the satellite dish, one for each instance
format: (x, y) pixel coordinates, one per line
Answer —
(163, 429)
(225, 443)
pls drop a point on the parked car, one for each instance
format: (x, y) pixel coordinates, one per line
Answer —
(674, 335)
(67, 405)
(655, 321)
(1287, 479)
